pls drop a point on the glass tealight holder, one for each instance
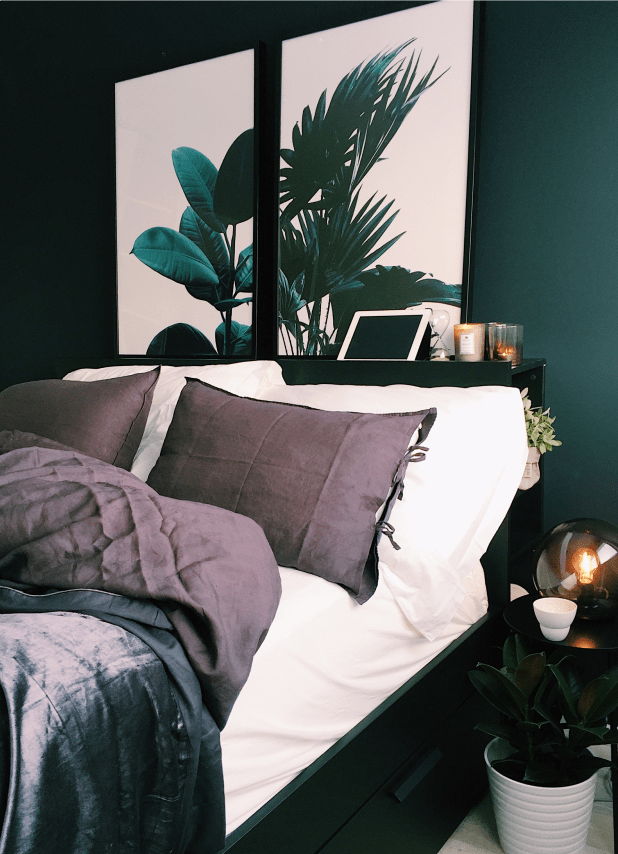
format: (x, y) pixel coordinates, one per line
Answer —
(506, 342)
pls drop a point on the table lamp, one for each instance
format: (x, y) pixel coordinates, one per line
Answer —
(578, 560)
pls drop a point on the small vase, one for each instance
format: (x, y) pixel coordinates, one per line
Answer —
(532, 472)
(531, 819)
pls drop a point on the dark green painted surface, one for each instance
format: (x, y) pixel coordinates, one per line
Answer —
(546, 248)
(547, 226)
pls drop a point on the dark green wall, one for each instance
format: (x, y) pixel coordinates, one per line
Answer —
(546, 215)
(547, 225)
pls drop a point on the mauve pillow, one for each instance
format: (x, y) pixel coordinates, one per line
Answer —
(313, 480)
(104, 419)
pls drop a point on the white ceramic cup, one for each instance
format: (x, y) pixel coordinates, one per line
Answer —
(555, 616)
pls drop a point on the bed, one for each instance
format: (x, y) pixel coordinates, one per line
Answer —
(351, 728)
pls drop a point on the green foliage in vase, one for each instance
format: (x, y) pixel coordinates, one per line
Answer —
(539, 426)
(202, 255)
(329, 240)
(549, 717)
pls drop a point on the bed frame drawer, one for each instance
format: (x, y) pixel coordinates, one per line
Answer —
(417, 808)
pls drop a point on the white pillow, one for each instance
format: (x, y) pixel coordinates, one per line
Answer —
(454, 501)
(244, 378)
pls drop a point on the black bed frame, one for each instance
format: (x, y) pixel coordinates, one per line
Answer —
(404, 777)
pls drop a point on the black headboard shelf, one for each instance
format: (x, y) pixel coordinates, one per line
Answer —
(427, 374)
(308, 370)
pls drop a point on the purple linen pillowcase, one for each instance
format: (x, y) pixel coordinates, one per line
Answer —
(104, 419)
(312, 479)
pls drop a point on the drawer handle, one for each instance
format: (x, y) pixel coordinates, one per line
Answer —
(416, 776)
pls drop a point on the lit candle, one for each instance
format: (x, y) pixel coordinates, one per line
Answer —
(503, 351)
(506, 342)
(469, 342)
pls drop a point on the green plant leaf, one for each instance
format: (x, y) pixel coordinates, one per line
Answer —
(498, 730)
(340, 246)
(586, 699)
(539, 429)
(290, 301)
(240, 343)
(233, 193)
(542, 774)
(334, 148)
(600, 698)
(244, 271)
(497, 690)
(175, 256)
(197, 176)
(530, 672)
(180, 339)
(565, 694)
(226, 304)
(509, 654)
(587, 765)
(210, 242)
(581, 737)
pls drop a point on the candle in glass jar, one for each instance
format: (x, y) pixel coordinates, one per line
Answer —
(469, 342)
(506, 342)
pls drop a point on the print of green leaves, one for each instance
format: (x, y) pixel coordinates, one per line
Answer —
(202, 255)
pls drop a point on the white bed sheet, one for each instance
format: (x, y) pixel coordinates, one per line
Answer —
(325, 664)
(454, 501)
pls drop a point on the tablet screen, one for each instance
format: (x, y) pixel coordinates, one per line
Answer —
(387, 336)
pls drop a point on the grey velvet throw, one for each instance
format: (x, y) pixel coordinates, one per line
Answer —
(95, 755)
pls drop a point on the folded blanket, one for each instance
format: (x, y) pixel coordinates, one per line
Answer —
(69, 521)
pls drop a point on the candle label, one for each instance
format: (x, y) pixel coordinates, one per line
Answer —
(466, 344)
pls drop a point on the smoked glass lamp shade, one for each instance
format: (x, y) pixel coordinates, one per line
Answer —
(578, 560)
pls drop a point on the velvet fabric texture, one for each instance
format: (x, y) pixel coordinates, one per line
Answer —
(104, 419)
(93, 747)
(313, 480)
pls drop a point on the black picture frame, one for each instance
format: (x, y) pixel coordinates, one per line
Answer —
(398, 288)
(178, 294)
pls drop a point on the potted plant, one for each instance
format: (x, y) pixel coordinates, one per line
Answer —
(542, 774)
(541, 438)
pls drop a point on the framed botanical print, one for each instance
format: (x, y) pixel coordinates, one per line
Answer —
(185, 210)
(375, 186)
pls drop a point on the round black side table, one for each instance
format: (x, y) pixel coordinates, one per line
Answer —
(601, 635)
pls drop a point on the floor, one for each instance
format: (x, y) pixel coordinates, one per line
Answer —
(477, 834)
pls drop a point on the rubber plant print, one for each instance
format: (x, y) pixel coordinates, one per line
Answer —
(330, 239)
(203, 254)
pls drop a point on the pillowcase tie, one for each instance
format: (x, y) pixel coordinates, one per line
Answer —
(388, 530)
(414, 454)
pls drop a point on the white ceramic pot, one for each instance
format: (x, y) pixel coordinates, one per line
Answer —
(532, 473)
(538, 819)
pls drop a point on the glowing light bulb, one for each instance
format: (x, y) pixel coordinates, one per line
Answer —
(585, 561)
